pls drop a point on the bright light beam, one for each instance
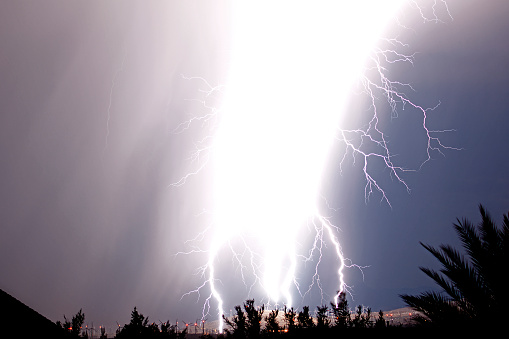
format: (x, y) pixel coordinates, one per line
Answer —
(292, 67)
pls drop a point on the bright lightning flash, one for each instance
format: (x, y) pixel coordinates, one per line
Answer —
(293, 65)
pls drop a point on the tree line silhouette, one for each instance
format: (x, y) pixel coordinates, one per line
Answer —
(246, 323)
(474, 294)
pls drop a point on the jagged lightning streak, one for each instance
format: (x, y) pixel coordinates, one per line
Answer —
(110, 101)
(292, 68)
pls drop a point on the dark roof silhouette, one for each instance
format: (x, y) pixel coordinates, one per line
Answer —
(21, 321)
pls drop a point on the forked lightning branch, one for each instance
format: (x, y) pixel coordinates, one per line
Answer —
(292, 67)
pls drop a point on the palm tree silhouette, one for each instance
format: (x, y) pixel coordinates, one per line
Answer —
(475, 285)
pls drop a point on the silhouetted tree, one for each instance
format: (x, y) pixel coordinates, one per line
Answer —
(271, 323)
(380, 321)
(166, 327)
(304, 318)
(254, 318)
(290, 315)
(168, 330)
(139, 327)
(182, 334)
(73, 326)
(474, 286)
(237, 324)
(322, 319)
(341, 312)
(103, 333)
(245, 325)
(362, 319)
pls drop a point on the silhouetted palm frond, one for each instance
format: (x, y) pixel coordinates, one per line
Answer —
(474, 286)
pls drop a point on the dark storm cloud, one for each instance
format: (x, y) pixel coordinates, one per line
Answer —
(87, 216)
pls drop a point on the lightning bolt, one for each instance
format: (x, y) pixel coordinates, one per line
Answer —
(293, 65)
(110, 101)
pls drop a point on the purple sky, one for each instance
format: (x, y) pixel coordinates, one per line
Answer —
(90, 94)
